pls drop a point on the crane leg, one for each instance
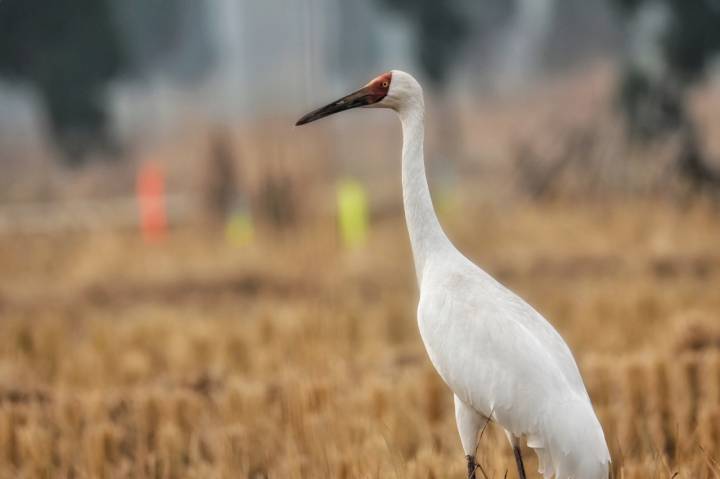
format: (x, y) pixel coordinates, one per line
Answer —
(519, 462)
(472, 465)
(518, 455)
(469, 423)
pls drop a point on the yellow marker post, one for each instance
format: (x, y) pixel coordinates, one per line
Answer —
(353, 216)
(239, 230)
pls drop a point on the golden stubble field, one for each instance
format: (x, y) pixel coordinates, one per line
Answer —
(291, 358)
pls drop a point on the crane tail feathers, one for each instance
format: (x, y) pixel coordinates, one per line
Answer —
(570, 443)
(544, 462)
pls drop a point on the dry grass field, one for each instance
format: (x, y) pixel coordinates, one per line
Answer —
(292, 358)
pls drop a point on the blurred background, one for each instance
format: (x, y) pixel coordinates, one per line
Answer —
(522, 95)
(190, 286)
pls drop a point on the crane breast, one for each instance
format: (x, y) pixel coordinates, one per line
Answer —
(501, 358)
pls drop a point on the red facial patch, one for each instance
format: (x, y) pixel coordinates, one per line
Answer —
(380, 86)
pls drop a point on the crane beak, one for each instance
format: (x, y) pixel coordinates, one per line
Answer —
(363, 97)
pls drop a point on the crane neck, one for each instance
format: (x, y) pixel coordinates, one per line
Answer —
(427, 237)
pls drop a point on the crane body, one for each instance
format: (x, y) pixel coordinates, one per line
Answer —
(501, 359)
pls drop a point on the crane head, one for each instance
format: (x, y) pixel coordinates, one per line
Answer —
(370, 95)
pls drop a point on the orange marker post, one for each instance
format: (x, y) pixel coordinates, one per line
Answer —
(151, 203)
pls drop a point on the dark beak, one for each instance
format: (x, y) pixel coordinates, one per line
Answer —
(363, 97)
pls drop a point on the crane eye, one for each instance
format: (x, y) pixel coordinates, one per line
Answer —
(385, 84)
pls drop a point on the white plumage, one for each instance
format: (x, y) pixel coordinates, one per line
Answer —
(500, 357)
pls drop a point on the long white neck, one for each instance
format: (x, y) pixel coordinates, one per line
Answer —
(426, 235)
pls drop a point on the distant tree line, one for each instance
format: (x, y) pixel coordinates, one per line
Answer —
(671, 45)
(70, 51)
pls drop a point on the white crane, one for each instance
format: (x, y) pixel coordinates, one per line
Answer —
(502, 360)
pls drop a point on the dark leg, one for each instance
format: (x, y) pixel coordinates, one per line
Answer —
(471, 466)
(519, 462)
